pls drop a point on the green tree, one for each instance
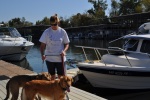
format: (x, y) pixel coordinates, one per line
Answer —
(23, 20)
(25, 23)
(15, 22)
(45, 21)
(99, 7)
(146, 5)
(38, 22)
(80, 20)
(75, 20)
(19, 22)
(129, 7)
(114, 8)
(65, 22)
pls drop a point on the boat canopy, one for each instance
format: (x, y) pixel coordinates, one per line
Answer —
(144, 37)
(144, 28)
(143, 32)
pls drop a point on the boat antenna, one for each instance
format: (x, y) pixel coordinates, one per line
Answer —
(120, 38)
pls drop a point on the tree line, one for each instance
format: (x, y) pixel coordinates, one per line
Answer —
(94, 16)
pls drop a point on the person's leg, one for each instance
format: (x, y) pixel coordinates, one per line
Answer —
(51, 69)
(61, 70)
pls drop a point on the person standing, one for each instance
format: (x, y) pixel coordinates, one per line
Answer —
(54, 44)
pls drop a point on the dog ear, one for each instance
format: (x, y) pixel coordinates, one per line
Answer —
(70, 78)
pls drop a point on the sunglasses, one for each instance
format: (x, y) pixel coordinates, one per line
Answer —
(53, 24)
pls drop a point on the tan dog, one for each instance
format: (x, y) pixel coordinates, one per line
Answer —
(52, 90)
(18, 81)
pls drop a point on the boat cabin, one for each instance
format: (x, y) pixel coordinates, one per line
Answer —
(139, 42)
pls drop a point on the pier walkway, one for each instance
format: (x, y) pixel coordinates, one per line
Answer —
(8, 70)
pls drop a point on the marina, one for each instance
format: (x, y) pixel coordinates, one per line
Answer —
(104, 46)
(34, 64)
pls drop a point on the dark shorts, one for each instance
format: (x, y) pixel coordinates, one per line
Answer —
(55, 66)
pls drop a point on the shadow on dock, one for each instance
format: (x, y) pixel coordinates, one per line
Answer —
(3, 77)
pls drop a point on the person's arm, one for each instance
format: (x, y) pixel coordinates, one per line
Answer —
(66, 46)
(42, 49)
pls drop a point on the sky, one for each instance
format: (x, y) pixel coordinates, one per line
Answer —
(34, 10)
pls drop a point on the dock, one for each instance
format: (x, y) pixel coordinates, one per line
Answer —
(8, 70)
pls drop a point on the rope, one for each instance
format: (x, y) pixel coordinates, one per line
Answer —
(62, 60)
(63, 68)
(42, 65)
(67, 96)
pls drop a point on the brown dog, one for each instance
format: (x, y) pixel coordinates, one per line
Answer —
(52, 90)
(18, 81)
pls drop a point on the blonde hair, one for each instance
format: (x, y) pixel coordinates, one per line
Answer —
(54, 19)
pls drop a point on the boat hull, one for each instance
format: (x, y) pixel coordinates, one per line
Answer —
(14, 53)
(116, 78)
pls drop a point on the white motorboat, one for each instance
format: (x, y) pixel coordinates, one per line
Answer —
(121, 68)
(12, 46)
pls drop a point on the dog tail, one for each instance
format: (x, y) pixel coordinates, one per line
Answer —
(23, 94)
(7, 90)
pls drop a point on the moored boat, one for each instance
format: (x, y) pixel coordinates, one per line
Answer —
(121, 68)
(12, 45)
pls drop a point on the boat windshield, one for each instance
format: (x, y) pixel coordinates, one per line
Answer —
(14, 32)
(145, 46)
(9, 32)
(131, 44)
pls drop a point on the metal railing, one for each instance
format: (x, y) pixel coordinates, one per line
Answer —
(29, 38)
(116, 49)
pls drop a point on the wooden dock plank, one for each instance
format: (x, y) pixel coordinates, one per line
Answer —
(2, 90)
(2, 95)
(73, 97)
(3, 83)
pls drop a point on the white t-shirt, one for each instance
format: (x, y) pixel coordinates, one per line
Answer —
(54, 40)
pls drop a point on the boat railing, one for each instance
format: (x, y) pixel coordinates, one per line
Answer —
(29, 38)
(115, 49)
